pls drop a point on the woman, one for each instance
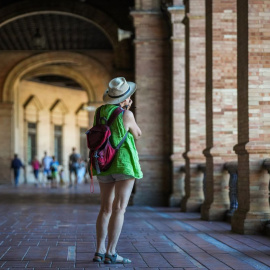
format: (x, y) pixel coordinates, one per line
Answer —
(36, 166)
(117, 182)
(54, 169)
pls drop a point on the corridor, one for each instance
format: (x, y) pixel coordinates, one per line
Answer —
(62, 236)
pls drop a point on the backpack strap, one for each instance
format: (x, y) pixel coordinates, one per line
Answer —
(122, 141)
(114, 115)
(98, 116)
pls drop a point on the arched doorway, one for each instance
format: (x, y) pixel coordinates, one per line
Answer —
(48, 117)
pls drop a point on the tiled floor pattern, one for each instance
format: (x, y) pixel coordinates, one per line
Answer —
(62, 236)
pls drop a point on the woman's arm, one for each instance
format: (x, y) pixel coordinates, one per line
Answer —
(131, 125)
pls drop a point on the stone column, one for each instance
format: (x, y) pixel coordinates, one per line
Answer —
(153, 102)
(195, 111)
(221, 104)
(177, 13)
(253, 115)
(6, 142)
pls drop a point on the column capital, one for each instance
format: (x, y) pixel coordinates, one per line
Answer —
(177, 14)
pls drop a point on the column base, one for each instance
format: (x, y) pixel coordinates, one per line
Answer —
(178, 185)
(217, 202)
(175, 200)
(249, 223)
(215, 212)
(191, 205)
(195, 168)
(194, 198)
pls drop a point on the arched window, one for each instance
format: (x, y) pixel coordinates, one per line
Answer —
(32, 106)
(58, 112)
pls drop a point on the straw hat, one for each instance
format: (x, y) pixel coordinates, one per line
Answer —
(118, 90)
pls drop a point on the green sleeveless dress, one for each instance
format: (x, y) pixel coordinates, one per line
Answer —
(126, 160)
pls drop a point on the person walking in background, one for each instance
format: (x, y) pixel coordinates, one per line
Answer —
(16, 165)
(46, 163)
(54, 171)
(73, 166)
(117, 182)
(36, 166)
(86, 172)
(81, 171)
(62, 176)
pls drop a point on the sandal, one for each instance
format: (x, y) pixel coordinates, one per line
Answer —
(101, 257)
(111, 259)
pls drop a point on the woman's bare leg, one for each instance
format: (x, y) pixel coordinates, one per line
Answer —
(123, 190)
(107, 196)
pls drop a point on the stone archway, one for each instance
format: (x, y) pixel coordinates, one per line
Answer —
(86, 71)
(70, 72)
(38, 64)
(87, 13)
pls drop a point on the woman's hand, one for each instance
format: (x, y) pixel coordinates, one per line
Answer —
(128, 105)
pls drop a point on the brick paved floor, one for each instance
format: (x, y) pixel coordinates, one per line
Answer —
(62, 236)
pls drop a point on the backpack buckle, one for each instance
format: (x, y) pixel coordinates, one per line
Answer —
(95, 155)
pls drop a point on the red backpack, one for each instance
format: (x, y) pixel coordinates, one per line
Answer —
(98, 141)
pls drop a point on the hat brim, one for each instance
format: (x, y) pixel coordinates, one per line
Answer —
(108, 100)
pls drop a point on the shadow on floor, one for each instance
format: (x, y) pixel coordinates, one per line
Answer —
(29, 193)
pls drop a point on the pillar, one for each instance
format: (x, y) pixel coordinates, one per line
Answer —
(253, 116)
(153, 102)
(6, 142)
(221, 104)
(177, 13)
(195, 100)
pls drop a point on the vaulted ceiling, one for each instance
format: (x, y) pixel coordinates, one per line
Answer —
(60, 31)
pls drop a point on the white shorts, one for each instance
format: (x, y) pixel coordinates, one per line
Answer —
(111, 178)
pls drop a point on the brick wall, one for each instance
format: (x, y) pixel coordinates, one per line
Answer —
(197, 77)
(178, 101)
(221, 100)
(253, 119)
(153, 97)
(195, 98)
